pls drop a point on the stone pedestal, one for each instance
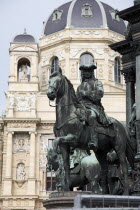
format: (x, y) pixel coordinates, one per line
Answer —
(106, 202)
(62, 200)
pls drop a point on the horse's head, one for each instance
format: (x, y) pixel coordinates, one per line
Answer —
(55, 85)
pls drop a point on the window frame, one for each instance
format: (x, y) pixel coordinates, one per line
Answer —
(117, 71)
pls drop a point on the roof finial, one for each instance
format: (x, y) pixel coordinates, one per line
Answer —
(25, 31)
(136, 2)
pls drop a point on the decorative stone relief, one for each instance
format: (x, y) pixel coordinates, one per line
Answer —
(20, 172)
(25, 48)
(42, 161)
(10, 203)
(100, 71)
(111, 72)
(25, 102)
(21, 102)
(43, 143)
(94, 33)
(75, 52)
(98, 53)
(73, 72)
(57, 15)
(21, 125)
(112, 55)
(21, 143)
(62, 65)
(45, 60)
(115, 36)
(51, 38)
(46, 127)
(11, 99)
(62, 53)
(86, 10)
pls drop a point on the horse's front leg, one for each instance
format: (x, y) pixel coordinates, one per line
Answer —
(65, 151)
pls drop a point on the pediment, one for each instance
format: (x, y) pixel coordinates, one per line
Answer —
(23, 48)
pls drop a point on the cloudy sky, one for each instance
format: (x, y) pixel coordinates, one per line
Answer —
(15, 15)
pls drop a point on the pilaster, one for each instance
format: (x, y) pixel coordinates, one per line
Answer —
(7, 188)
(32, 179)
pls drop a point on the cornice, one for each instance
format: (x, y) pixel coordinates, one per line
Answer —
(132, 14)
(22, 120)
(123, 47)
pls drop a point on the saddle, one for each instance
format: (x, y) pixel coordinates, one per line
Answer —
(108, 130)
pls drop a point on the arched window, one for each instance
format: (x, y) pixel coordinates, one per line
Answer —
(54, 65)
(117, 70)
(86, 59)
(23, 73)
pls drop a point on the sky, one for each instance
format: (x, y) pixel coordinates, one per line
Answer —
(15, 15)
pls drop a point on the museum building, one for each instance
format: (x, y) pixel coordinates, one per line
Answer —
(73, 29)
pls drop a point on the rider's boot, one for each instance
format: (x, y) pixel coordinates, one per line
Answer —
(93, 144)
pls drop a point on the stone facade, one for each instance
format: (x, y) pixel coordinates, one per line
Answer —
(28, 124)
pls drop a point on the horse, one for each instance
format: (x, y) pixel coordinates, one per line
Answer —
(70, 130)
(85, 171)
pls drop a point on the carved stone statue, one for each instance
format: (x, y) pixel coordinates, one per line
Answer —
(21, 172)
(24, 70)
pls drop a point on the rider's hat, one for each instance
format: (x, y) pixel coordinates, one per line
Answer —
(87, 62)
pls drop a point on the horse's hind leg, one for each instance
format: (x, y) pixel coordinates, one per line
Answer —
(102, 158)
(124, 167)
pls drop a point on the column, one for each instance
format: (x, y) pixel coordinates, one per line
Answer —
(31, 179)
(8, 172)
(138, 102)
(1, 160)
(129, 75)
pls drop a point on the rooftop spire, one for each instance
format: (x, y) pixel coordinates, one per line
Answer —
(25, 31)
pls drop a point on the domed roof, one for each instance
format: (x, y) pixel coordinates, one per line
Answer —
(84, 14)
(24, 38)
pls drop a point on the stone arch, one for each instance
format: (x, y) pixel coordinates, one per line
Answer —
(23, 69)
(82, 54)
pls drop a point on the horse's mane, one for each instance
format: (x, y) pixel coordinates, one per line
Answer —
(72, 91)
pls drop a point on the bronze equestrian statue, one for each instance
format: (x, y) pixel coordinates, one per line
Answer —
(73, 127)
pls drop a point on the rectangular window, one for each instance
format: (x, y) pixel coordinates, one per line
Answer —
(50, 181)
(50, 142)
(117, 71)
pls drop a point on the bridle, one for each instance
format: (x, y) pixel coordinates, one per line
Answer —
(56, 91)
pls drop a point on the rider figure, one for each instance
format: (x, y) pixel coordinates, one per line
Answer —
(90, 93)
